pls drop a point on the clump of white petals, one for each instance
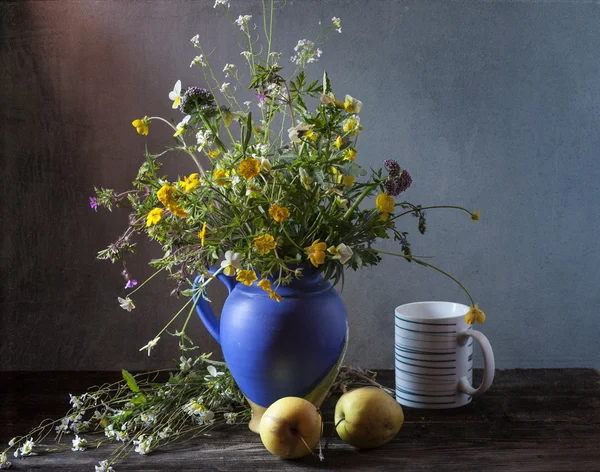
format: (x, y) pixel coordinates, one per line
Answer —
(224, 87)
(126, 303)
(222, 3)
(78, 444)
(104, 466)
(26, 449)
(150, 345)
(4, 463)
(203, 137)
(242, 22)
(305, 52)
(337, 24)
(195, 40)
(198, 61)
(143, 444)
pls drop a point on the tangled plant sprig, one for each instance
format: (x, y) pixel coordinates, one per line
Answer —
(141, 413)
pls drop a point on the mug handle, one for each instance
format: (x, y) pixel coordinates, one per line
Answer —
(203, 308)
(488, 363)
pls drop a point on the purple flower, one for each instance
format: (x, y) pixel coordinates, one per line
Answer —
(94, 203)
(261, 97)
(392, 167)
(131, 283)
(398, 184)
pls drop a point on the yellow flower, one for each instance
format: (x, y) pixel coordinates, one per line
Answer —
(348, 181)
(352, 105)
(338, 143)
(249, 168)
(231, 262)
(310, 134)
(154, 216)
(246, 277)
(180, 128)
(266, 286)
(279, 214)
(350, 154)
(351, 125)
(214, 153)
(175, 95)
(316, 253)
(341, 252)
(165, 194)
(190, 183)
(337, 176)
(265, 243)
(385, 203)
(202, 234)
(220, 176)
(141, 126)
(476, 215)
(177, 210)
(474, 314)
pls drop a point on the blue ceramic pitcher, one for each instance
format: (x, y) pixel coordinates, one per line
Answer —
(278, 349)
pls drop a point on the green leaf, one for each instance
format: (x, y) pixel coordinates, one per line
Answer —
(353, 169)
(133, 386)
(326, 83)
(139, 399)
(289, 157)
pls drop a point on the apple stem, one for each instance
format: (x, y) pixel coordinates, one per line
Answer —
(343, 388)
(368, 379)
(309, 449)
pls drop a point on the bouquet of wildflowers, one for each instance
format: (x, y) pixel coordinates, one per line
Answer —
(275, 186)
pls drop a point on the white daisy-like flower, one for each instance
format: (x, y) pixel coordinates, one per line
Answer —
(198, 61)
(175, 94)
(126, 303)
(231, 263)
(203, 137)
(195, 40)
(246, 54)
(78, 444)
(228, 67)
(76, 401)
(27, 448)
(242, 21)
(143, 444)
(224, 87)
(222, 3)
(150, 345)
(104, 466)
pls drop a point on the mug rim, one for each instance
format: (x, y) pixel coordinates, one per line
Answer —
(440, 302)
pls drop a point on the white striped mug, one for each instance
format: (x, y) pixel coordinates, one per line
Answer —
(434, 356)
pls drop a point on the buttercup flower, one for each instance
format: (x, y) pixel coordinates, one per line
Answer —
(352, 105)
(220, 176)
(202, 234)
(126, 303)
(231, 263)
(249, 168)
(266, 286)
(316, 252)
(341, 252)
(474, 315)
(181, 125)
(154, 216)
(265, 243)
(142, 126)
(190, 183)
(279, 214)
(175, 94)
(350, 154)
(246, 277)
(165, 194)
(385, 205)
(338, 143)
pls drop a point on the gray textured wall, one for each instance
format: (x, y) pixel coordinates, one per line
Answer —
(489, 104)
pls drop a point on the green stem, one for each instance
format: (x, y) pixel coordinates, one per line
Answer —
(430, 208)
(146, 281)
(175, 317)
(360, 198)
(427, 264)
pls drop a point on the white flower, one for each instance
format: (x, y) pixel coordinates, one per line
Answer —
(181, 125)
(150, 344)
(78, 444)
(4, 464)
(224, 87)
(305, 52)
(352, 105)
(126, 303)
(229, 418)
(76, 401)
(337, 23)
(147, 419)
(196, 40)
(341, 252)
(235, 180)
(198, 61)
(144, 445)
(164, 434)
(110, 432)
(242, 21)
(228, 67)
(223, 3)
(212, 370)
(175, 94)
(265, 164)
(246, 54)
(27, 448)
(203, 137)
(104, 466)
(11, 443)
(247, 104)
(231, 262)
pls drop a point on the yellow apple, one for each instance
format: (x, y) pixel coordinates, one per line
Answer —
(291, 428)
(367, 417)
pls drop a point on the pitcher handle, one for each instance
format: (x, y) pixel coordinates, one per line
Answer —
(203, 308)
(488, 363)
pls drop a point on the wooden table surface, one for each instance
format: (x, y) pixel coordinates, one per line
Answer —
(530, 420)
